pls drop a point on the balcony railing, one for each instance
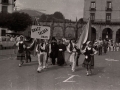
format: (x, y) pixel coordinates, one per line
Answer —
(108, 9)
(92, 9)
(5, 2)
(102, 21)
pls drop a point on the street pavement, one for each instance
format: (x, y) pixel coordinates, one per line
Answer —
(106, 74)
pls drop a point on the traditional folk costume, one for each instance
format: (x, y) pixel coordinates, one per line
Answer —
(61, 56)
(21, 52)
(42, 55)
(27, 55)
(27, 52)
(89, 58)
(72, 50)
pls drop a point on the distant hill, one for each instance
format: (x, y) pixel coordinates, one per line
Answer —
(48, 17)
(32, 13)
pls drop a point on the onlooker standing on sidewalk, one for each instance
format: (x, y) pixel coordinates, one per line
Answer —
(105, 46)
(100, 44)
(109, 45)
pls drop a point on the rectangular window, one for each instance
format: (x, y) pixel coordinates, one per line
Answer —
(3, 32)
(108, 16)
(109, 4)
(93, 5)
(4, 9)
(92, 16)
(5, 1)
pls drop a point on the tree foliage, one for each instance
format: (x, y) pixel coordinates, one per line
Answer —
(81, 20)
(43, 17)
(58, 15)
(15, 21)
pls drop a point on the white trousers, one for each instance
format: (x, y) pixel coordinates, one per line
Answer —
(73, 60)
(117, 48)
(42, 61)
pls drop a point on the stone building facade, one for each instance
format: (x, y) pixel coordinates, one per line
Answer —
(105, 18)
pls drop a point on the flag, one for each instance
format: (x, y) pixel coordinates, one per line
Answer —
(84, 35)
(32, 44)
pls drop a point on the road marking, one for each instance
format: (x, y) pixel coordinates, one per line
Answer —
(107, 59)
(69, 79)
(72, 76)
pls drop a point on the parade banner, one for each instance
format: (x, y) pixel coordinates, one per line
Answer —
(40, 32)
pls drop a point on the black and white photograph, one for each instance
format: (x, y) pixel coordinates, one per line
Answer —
(59, 44)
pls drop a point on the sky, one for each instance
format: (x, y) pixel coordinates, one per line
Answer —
(70, 8)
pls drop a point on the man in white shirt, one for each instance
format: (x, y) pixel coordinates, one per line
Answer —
(42, 55)
(72, 50)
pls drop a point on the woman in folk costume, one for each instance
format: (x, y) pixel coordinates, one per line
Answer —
(27, 52)
(89, 52)
(73, 53)
(61, 51)
(41, 50)
(21, 51)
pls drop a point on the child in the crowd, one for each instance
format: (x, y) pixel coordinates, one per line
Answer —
(89, 53)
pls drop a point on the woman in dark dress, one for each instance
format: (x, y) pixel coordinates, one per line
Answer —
(61, 51)
(89, 57)
(21, 51)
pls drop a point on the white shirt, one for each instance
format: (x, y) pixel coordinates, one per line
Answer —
(68, 47)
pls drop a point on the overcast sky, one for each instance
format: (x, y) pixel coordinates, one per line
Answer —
(70, 8)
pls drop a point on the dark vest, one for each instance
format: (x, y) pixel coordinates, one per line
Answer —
(40, 49)
(21, 48)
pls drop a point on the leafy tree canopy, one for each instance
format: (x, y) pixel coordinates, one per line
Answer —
(15, 21)
(58, 15)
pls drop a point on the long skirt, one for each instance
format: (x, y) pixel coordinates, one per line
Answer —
(61, 58)
(21, 56)
(89, 62)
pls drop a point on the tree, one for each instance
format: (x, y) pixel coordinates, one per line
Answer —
(15, 21)
(43, 17)
(81, 20)
(58, 15)
(20, 21)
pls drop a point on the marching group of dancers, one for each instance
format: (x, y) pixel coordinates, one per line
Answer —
(55, 51)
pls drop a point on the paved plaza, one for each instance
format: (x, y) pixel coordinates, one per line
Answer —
(106, 75)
